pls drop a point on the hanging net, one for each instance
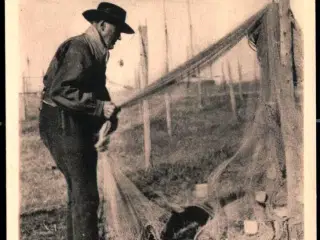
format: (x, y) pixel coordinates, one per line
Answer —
(223, 152)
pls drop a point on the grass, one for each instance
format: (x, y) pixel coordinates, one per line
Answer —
(202, 138)
(41, 186)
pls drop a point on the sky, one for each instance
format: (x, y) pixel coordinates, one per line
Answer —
(45, 24)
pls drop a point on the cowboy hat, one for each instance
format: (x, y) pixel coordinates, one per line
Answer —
(110, 13)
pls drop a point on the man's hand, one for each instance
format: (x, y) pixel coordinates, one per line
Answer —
(111, 124)
(109, 109)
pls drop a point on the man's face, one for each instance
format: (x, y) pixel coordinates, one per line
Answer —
(109, 33)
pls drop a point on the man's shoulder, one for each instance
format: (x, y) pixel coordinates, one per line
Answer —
(76, 43)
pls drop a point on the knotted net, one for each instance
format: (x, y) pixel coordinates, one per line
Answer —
(131, 215)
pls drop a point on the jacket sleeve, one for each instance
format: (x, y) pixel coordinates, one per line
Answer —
(67, 89)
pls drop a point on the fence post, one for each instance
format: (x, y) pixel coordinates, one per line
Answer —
(144, 82)
(197, 71)
(167, 96)
(290, 122)
(24, 108)
(240, 80)
(138, 87)
(231, 92)
(222, 89)
(211, 72)
(268, 53)
(189, 75)
(200, 101)
(277, 84)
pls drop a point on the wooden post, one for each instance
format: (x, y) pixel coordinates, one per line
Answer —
(189, 76)
(269, 61)
(200, 101)
(267, 53)
(211, 72)
(240, 80)
(200, 105)
(24, 100)
(223, 82)
(213, 82)
(190, 29)
(231, 92)
(277, 85)
(144, 82)
(138, 87)
(137, 80)
(26, 80)
(28, 77)
(291, 125)
(167, 96)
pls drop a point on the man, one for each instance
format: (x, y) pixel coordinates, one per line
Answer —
(75, 105)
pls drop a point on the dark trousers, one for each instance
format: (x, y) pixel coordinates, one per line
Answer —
(70, 139)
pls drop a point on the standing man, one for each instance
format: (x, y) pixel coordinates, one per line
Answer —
(75, 104)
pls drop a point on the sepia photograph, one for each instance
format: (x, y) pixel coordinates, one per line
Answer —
(162, 120)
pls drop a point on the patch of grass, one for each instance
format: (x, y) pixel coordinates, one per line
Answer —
(46, 225)
(41, 186)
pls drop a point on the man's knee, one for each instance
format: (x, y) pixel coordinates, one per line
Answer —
(86, 195)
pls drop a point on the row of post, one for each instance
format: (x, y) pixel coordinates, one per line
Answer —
(142, 82)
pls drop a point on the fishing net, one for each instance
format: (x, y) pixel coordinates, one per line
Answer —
(234, 144)
(262, 145)
(130, 214)
(259, 164)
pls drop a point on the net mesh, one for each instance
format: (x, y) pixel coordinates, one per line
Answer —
(234, 144)
(130, 214)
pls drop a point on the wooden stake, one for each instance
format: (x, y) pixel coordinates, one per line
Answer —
(190, 29)
(269, 78)
(24, 100)
(144, 82)
(289, 115)
(200, 101)
(277, 86)
(167, 96)
(28, 76)
(231, 92)
(240, 80)
(213, 81)
(200, 105)
(137, 80)
(223, 82)
(189, 76)
(138, 87)
(168, 113)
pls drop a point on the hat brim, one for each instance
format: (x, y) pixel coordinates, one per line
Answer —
(94, 15)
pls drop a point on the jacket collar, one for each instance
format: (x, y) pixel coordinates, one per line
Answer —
(96, 43)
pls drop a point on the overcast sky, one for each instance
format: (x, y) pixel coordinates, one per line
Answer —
(44, 24)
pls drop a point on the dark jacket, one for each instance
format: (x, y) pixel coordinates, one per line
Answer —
(75, 80)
